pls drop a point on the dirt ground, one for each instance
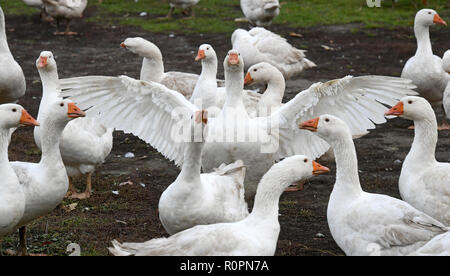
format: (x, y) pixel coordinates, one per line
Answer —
(132, 214)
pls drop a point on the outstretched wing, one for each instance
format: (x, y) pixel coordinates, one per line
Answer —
(148, 110)
(359, 101)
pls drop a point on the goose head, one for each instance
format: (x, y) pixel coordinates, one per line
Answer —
(300, 167)
(260, 73)
(14, 115)
(446, 61)
(412, 108)
(62, 111)
(46, 61)
(428, 17)
(142, 47)
(233, 62)
(206, 52)
(328, 127)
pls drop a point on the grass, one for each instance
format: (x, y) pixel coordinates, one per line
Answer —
(218, 15)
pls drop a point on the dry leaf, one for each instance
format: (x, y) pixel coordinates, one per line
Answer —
(70, 207)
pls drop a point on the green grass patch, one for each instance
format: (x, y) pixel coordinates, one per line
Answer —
(218, 15)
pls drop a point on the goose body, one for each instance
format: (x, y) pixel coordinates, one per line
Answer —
(85, 143)
(199, 199)
(424, 182)
(364, 223)
(260, 12)
(255, 235)
(12, 79)
(12, 196)
(425, 68)
(261, 45)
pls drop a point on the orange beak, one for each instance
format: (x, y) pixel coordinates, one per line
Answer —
(27, 120)
(319, 169)
(310, 125)
(200, 55)
(438, 20)
(42, 62)
(248, 79)
(396, 110)
(123, 45)
(201, 117)
(233, 59)
(74, 111)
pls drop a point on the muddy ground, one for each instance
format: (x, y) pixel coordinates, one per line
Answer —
(132, 214)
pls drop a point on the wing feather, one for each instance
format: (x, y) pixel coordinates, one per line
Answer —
(145, 109)
(360, 101)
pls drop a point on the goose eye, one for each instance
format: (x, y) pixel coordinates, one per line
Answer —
(327, 120)
(14, 110)
(410, 102)
(254, 70)
(61, 104)
(429, 12)
(306, 160)
(207, 48)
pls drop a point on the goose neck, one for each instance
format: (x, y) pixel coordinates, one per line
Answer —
(234, 83)
(275, 87)
(209, 68)
(191, 168)
(50, 82)
(268, 193)
(425, 138)
(51, 132)
(152, 69)
(4, 48)
(4, 142)
(422, 34)
(347, 176)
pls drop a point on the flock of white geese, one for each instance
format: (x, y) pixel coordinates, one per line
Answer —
(206, 213)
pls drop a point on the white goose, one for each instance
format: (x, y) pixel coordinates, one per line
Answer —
(153, 67)
(260, 12)
(12, 80)
(199, 199)
(12, 197)
(182, 4)
(446, 97)
(261, 45)
(206, 94)
(256, 235)
(425, 68)
(67, 9)
(363, 223)
(45, 183)
(424, 182)
(258, 142)
(85, 144)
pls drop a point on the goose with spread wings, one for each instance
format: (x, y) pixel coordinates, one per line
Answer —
(151, 111)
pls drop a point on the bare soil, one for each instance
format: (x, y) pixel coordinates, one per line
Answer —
(132, 214)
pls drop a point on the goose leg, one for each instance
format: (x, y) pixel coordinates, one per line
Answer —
(87, 193)
(23, 251)
(68, 32)
(169, 15)
(72, 189)
(192, 14)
